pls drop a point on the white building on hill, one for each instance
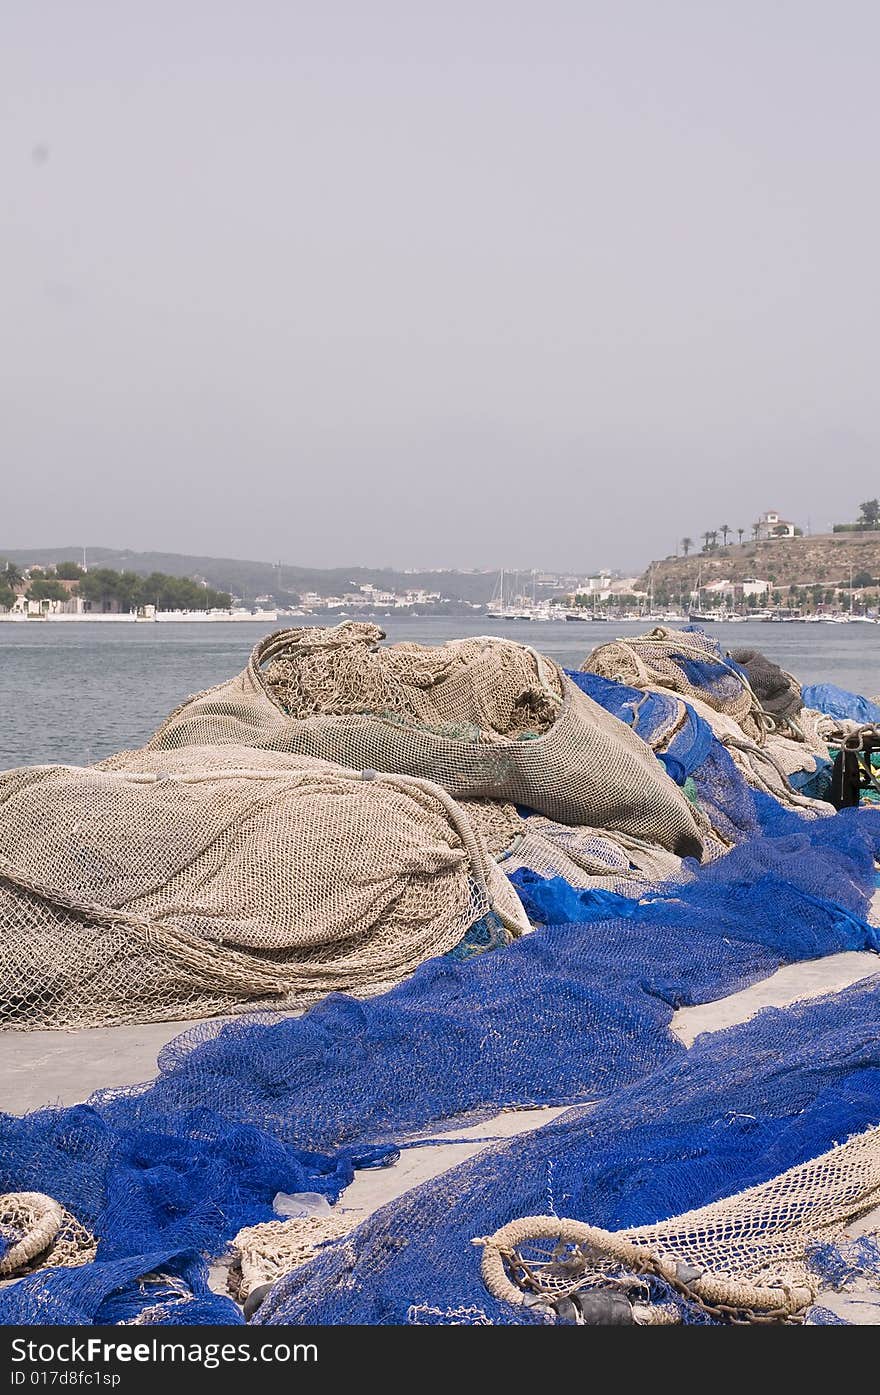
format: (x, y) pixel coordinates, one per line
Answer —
(770, 525)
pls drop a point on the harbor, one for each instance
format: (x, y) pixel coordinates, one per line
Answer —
(439, 686)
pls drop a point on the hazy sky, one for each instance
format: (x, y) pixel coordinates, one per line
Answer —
(471, 282)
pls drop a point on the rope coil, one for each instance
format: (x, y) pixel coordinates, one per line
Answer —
(502, 1264)
(39, 1217)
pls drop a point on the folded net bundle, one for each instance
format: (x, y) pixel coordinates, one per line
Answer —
(589, 857)
(769, 745)
(687, 662)
(485, 718)
(777, 690)
(187, 883)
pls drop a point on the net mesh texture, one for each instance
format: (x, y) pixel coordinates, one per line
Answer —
(181, 883)
(165, 1174)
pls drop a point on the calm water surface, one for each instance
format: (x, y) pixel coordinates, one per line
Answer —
(80, 692)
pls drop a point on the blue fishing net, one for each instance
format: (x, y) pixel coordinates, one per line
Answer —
(820, 1316)
(741, 1107)
(838, 702)
(841, 1265)
(646, 713)
(116, 1291)
(815, 784)
(695, 759)
(156, 1196)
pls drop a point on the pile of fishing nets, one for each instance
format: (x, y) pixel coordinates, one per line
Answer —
(778, 750)
(166, 1174)
(485, 718)
(180, 883)
(231, 864)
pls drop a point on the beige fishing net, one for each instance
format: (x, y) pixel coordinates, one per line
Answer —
(585, 857)
(590, 857)
(744, 1257)
(168, 884)
(485, 718)
(662, 658)
(264, 1253)
(489, 689)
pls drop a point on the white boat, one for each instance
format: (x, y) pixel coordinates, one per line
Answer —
(496, 605)
(499, 611)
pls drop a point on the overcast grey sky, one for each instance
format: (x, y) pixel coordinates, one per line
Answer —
(479, 282)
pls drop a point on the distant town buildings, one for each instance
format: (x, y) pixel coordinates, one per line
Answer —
(735, 591)
(370, 598)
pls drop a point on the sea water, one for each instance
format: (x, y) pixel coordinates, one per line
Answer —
(79, 692)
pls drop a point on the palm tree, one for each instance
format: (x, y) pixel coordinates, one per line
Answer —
(755, 530)
(725, 529)
(707, 538)
(739, 533)
(713, 538)
(686, 545)
(11, 575)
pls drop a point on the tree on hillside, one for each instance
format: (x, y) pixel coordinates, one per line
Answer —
(863, 579)
(707, 538)
(10, 575)
(46, 588)
(756, 528)
(129, 591)
(724, 530)
(686, 545)
(870, 514)
(739, 533)
(99, 586)
(68, 571)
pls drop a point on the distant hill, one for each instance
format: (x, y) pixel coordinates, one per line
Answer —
(825, 558)
(248, 580)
